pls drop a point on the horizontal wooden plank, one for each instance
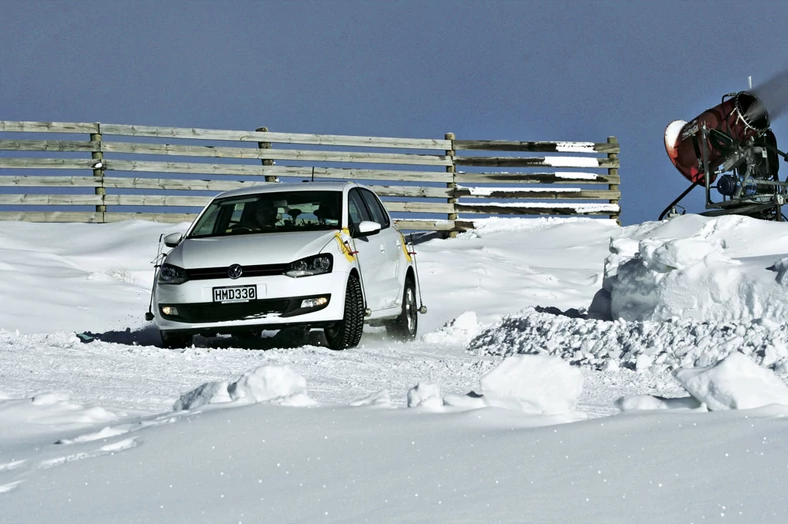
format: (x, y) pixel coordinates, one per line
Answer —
(367, 174)
(52, 200)
(539, 193)
(169, 218)
(173, 184)
(418, 207)
(539, 178)
(50, 216)
(551, 161)
(278, 154)
(277, 138)
(424, 225)
(537, 147)
(49, 145)
(45, 181)
(279, 171)
(412, 191)
(156, 200)
(46, 163)
(48, 127)
(540, 209)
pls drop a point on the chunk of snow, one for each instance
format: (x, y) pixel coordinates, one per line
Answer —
(263, 384)
(541, 383)
(425, 395)
(735, 382)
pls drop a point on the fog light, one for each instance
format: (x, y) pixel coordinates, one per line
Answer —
(314, 302)
(169, 310)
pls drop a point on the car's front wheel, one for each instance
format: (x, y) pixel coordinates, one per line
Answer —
(175, 339)
(347, 332)
(404, 327)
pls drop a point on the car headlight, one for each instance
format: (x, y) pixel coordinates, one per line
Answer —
(314, 265)
(170, 274)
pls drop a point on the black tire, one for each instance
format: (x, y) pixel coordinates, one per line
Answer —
(347, 332)
(405, 326)
(175, 339)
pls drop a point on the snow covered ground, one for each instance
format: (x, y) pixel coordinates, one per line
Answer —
(567, 371)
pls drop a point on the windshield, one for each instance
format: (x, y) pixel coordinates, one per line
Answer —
(271, 213)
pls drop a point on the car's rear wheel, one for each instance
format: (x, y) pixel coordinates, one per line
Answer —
(175, 339)
(404, 327)
(347, 332)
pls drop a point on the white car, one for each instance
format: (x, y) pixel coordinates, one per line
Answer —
(277, 256)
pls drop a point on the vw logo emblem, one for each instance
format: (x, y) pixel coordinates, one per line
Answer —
(235, 271)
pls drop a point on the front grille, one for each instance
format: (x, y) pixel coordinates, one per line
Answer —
(261, 270)
(217, 312)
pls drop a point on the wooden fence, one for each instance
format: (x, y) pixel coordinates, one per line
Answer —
(83, 172)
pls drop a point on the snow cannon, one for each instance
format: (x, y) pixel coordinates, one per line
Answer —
(730, 143)
(738, 119)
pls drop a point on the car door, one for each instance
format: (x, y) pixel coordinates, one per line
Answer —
(371, 253)
(390, 244)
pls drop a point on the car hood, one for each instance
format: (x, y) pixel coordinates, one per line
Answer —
(251, 249)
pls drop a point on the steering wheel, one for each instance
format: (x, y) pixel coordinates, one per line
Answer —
(242, 227)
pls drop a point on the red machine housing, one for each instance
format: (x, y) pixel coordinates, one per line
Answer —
(741, 118)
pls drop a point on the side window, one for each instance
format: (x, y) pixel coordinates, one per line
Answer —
(379, 213)
(356, 209)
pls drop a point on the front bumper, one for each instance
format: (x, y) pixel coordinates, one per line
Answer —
(278, 303)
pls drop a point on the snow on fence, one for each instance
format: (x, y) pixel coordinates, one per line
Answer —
(92, 172)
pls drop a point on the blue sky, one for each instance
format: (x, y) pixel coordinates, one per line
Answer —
(517, 70)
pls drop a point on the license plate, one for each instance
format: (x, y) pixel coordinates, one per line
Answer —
(234, 294)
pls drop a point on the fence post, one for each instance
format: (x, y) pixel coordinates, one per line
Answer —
(452, 185)
(266, 161)
(98, 171)
(614, 171)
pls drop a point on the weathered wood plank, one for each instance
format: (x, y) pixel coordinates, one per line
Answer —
(173, 184)
(279, 171)
(536, 147)
(49, 145)
(539, 209)
(539, 178)
(52, 200)
(279, 138)
(46, 163)
(418, 207)
(56, 181)
(412, 191)
(156, 200)
(277, 154)
(424, 225)
(538, 193)
(168, 218)
(50, 216)
(368, 174)
(48, 127)
(551, 161)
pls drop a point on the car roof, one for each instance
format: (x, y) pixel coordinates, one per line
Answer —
(276, 187)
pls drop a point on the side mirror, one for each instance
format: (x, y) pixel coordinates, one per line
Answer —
(173, 239)
(367, 228)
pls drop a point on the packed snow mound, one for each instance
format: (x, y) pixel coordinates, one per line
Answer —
(273, 384)
(656, 346)
(38, 414)
(540, 384)
(735, 382)
(460, 330)
(697, 268)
